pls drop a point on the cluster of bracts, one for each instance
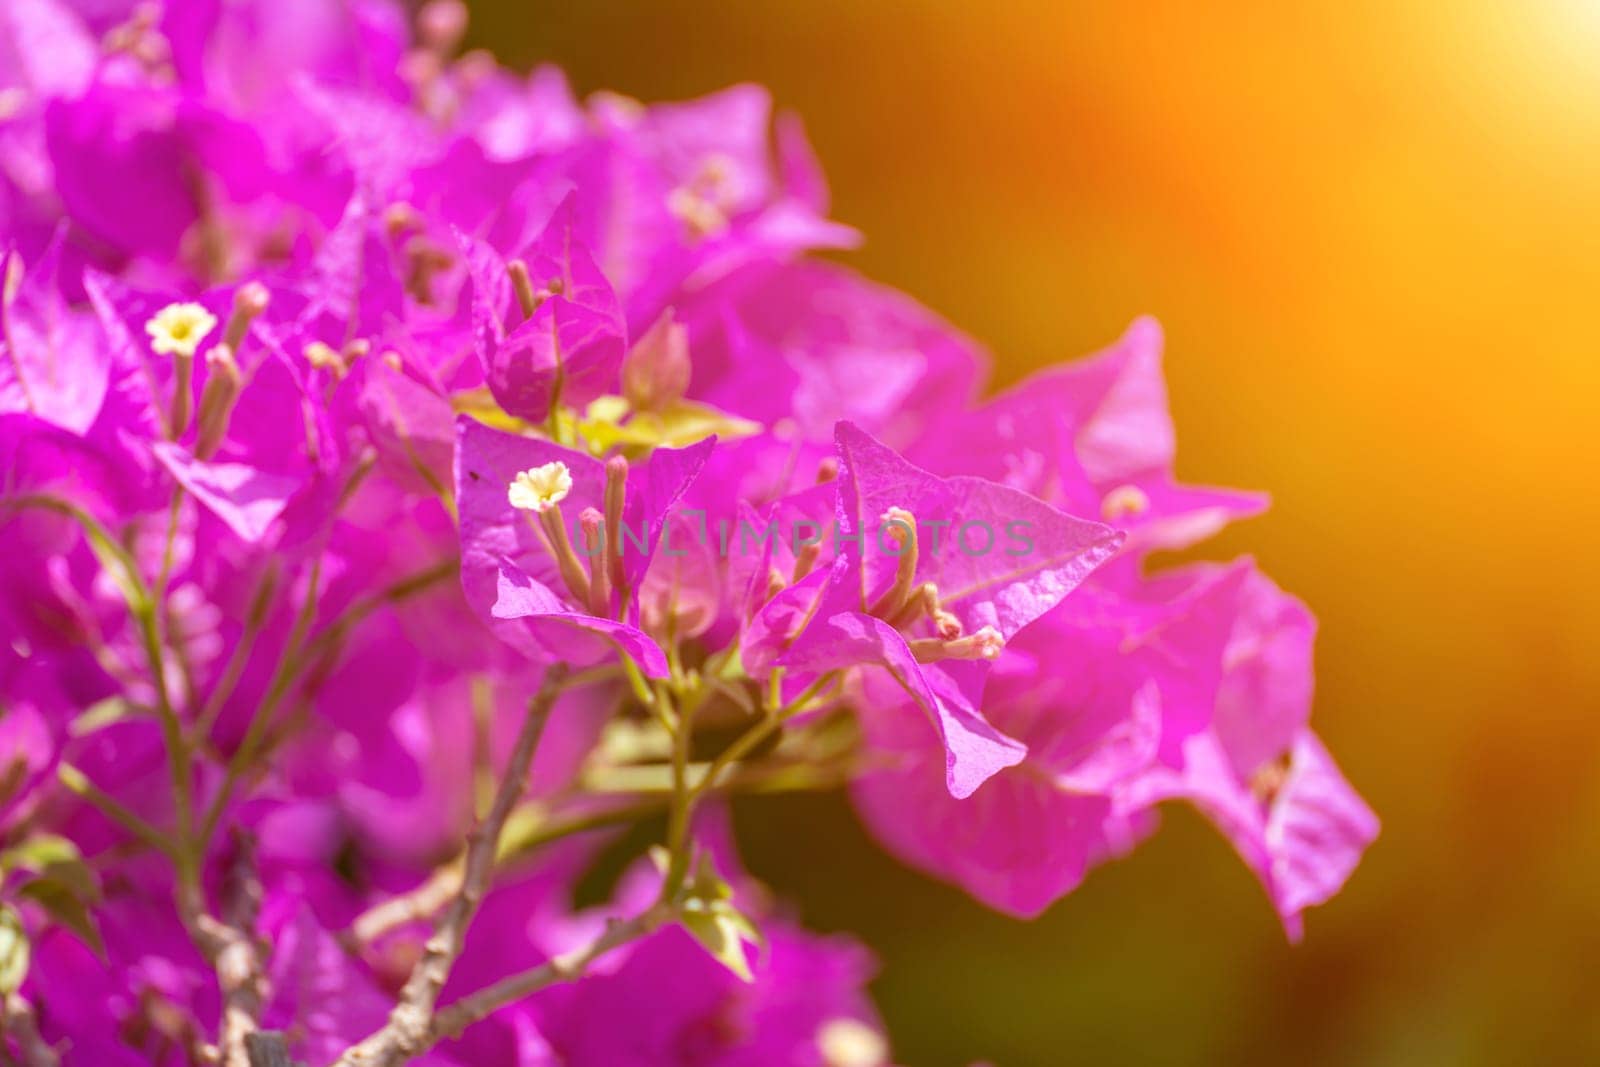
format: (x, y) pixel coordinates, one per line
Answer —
(412, 475)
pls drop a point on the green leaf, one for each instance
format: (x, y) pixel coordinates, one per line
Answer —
(687, 422)
(480, 404)
(708, 914)
(63, 905)
(707, 884)
(521, 827)
(721, 932)
(682, 424)
(14, 950)
(40, 851)
(77, 876)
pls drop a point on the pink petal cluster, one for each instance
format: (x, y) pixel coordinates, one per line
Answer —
(347, 383)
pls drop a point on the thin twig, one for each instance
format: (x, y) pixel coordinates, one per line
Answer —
(455, 1018)
(414, 905)
(425, 900)
(302, 656)
(267, 1048)
(231, 947)
(410, 1029)
(77, 782)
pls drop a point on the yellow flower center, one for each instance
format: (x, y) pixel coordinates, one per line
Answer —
(178, 329)
(538, 489)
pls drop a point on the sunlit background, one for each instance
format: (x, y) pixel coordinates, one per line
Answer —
(1372, 230)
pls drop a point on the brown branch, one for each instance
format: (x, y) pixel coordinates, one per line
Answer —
(231, 947)
(410, 1027)
(414, 905)
(455, 1018)
(267, 1048)
(424, 900)
(17, 1022)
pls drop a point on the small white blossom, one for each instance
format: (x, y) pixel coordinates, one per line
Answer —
(178, 329)
(538, 489)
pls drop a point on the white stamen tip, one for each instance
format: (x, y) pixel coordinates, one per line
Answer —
(846, 1042)
(538, 489)
(178, 329)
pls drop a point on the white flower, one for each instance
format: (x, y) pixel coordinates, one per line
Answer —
(538, 489)
(178, 329)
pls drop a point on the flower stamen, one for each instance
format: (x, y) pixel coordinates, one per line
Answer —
(616, 496)
(1123, 501)
(900, 526)
(594, 550)
(217, 400)
(986, 644)
(177, 330)
(541, 490)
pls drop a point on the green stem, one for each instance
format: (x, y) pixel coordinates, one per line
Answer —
(259, 606)
(169, 548)
(143, 607)
(752, 738)
(179, 758)
(681, 810)
(556, 829)
(283, 679)
(78, 783)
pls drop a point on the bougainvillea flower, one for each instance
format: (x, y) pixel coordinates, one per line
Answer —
(526, 575)
(411, 475)
(51, 362)
(909, 602)
(1096, 690)
(1259, 773)
(1095, 437)
(814, 343)
(548, 325)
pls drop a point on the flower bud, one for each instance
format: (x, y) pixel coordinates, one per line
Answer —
(249, 301)
(615, 497)
(593, 523)
(322, 357)
(441, 25)
(522, 285)
(655, 372)
(806, 559)
(13, 279)
(223, 383)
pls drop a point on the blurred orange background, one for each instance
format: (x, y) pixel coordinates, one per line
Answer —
(1372, 231)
